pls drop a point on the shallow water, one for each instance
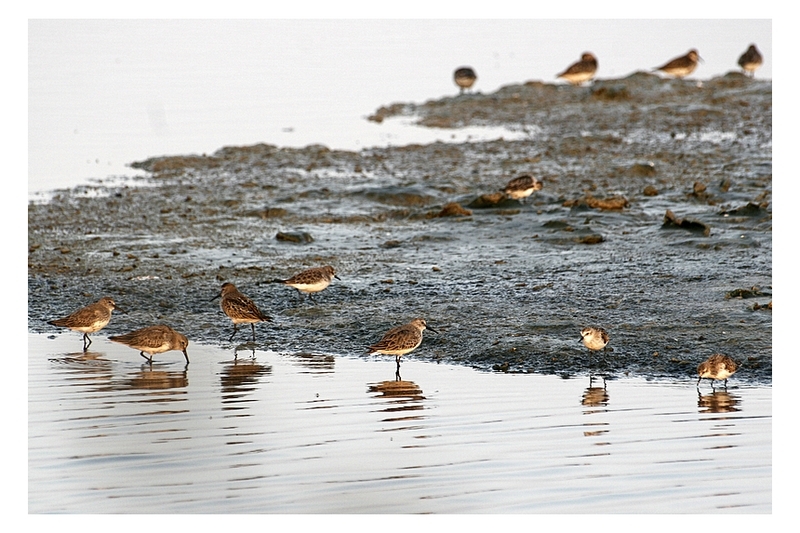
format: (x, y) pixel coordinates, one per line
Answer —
(269, 432)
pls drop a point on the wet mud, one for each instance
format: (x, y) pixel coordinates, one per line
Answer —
(654, 222)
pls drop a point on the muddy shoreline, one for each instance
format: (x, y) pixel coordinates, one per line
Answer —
(508, 284)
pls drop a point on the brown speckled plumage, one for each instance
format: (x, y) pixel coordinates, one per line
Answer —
(311, 280)
(401, 340)
(751, 60)
(581, 71)
(594, 338)
(240, 309)
(153, 340)
(89, 319)
(718, 366)
(464, 77)
(522, 186)
(681, 66)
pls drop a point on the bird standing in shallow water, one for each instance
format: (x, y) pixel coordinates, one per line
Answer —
(464, 77)
(751, 60)
(240, 309)
(582, 71)
(681, 66)
(153, 340)
(311, 280)
(594, 338)
(401, 340)
(89, 319)
(521, 187)
(718, 366)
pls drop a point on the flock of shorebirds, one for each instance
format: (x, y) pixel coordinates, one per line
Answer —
(585, 69)
(406, 338)
(398, 341)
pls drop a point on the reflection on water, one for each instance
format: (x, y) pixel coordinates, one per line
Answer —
(594, 397)
(239, 379)
(719, 401)
(316, 363)
(147, 378)
(401, 398)
(232, 434)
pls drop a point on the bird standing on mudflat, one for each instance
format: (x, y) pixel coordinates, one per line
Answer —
(89, 319)
(464, 77)
(681, 66)
(594, 338)
(718, 366)
(522, 186)
(401, 340)
(153, 340)
(311, 280)
(240, 309)
(582, 71)
(751, 60)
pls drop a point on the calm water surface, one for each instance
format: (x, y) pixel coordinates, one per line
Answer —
(268, 432)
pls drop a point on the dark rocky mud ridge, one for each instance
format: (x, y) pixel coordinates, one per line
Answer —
(654, 222)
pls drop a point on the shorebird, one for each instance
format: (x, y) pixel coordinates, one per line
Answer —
(401, 340)
(89, 319)
(582, 71)
(751, 60)
(521, 187)
(153, 340)
(718, 366)
(239, 308)
(594, 338)
(311, 280)
(681, 66)
(464, 77)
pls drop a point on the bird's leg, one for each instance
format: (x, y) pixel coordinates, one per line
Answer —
(149, 359)
(234, 332)
(253, 327)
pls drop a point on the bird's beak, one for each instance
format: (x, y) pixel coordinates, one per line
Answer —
(431, 329)
(337, 277)
(186, 355)
(120, 310)
(215, 297)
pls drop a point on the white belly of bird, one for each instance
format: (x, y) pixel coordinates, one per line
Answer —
(92, 328)
(520, 193)
(311, 287)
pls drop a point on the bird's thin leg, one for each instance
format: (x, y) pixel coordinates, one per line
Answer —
(253, 327)
(234, 333)
(149, 359)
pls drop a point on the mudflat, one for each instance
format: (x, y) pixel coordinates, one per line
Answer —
(654, 222)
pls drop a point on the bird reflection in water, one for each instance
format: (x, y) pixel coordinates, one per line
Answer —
(240, 377)
(594, 395)
(401, 395)
(86, 368)
(718, 401)
(316, 363)
(148, 378)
